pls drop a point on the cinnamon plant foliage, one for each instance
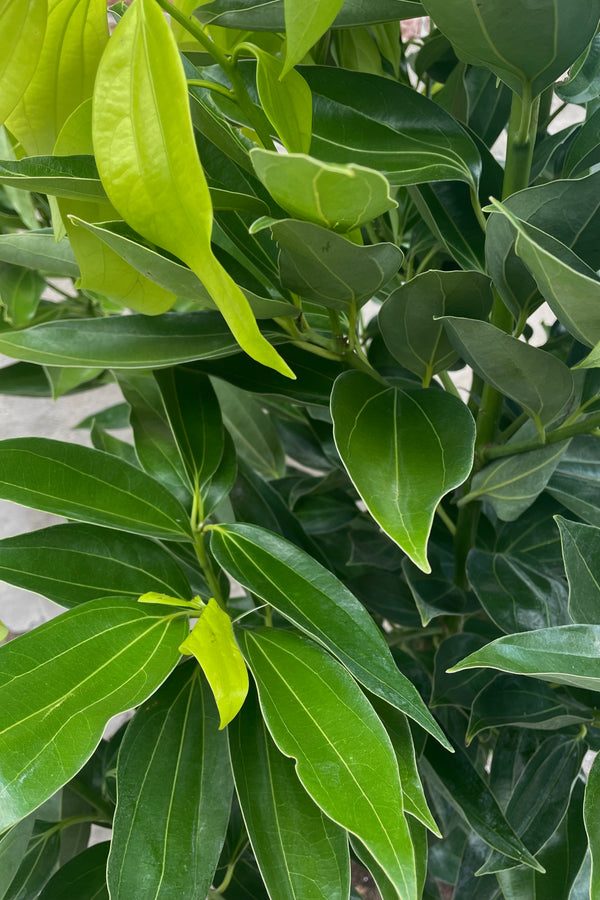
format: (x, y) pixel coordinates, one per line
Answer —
(344, 560)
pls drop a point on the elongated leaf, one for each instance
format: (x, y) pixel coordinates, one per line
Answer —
(252, 430)
(404, 450)
(388, 127)
(38, 250)
(19, 54)
(174, 789)
(301, 853)
(73, 177)
(317, 714)
(583, 83)
(305, 25)
(286, 100)
(583, 149)
(38, 864)
(527, 47)
(83, 877)
(97, 660)
(540, 382)
(71, 564)
(313, 599)
(89, 486)
(340, 198)
(268, 15)
(575, 482)
(13, 846)
(581, 549)
(154, 113)
(213, 644)
(591, 812)
(406, 319)
(565, 655)
(20, 293)
(446, 209)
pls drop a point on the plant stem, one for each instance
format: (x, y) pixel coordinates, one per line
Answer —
(207, 569)
(446, 519)
(448, 383)
(479, 214)
(587, 426)
(521, 139)
(93, 798)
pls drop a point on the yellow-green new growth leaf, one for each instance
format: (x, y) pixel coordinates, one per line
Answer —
(22, 29)
(287, 101)
(340, 197)
(76, 33)
(3, 631)
(305, 22)
(148, 162)
(213, 644)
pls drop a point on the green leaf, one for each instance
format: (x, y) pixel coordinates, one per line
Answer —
(71, 564)
(591, 813)
(388, 127)
(268, 15)
(527, 47)
(461, 688)
(302, 855)
(406, 319)
(583, 83)
(213, 644)
(339, 197)
(13, 846)
(88, 486)
(447, 210)
(286, 100)
(314, 600)
(581, 554)
(83, 877)
(317, 714)
(72, 177)
(583, 150)
(304, 26)
(575, 482)
(174, 790)
(19, 56)
(39, 250)
(38, 863)
(48, 684)
(461, 784)
(146, 118)
(404, 450)
(565, 655)
(122, 342)
(538, 381)
(20, 292)
(329, 269)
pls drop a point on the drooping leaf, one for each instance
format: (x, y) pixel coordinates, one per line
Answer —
(301, 853)
(174, 790)
(527, 47)
(565, 655)
(581, 549)
(71, 564)
(96, 660)
(83, 877)
(268, 15)
(315, 601)
(213, 644)
(89, 486)
(404, 450)
(406, 319)
(317, 714)
(154, 113)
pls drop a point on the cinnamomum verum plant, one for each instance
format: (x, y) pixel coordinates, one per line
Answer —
(356, 610)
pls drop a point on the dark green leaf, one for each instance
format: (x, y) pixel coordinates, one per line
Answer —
(88, 485)
(404, 450)
(38, 863)
(591, 812)
(446, 209)
(70, 177)
(20, 292)
(96, 660)
(583, 150)
(581, 554)
(13, 846)
(39, 250)
(267, 15)
(252, 429)
(436, 593)
(461, 688)
(583, 83)
(25, 380)
(83, 877)
(575, 482)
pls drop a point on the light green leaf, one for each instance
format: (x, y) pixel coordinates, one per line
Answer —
(565, 655)
(591, 813)
(527, 46)
(304, 25)
(404, 450)
(302, 855)
(538, 381)
(71, 564)
(95, 661)
(88, 486)
(314, 600)
(213, 644)
(287, 101)
(22, 28)
(3, 631)
(174, 791)
(39, 250)
(75, 37)
(406, 319)
(148, 162)
(339, 197)
(317, 714)
(581, 554)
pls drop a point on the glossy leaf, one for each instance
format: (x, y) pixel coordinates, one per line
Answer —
(538, 381)
(301, 853)
(286, 100)
(71, 177)
(519, 44)
(13, 846)
(583, 150)
(38, 863)
(583, 83)
(89, 486)
(388, 127)
(39, 250)
(580, 548)
(20, 293)
(565, 655)
(19, 57)
(574, 482)
(174, 789)
(155, 114)
(48, 683)
(388, 439)
(315, 601)
(406, 319)
(304, 26)
(268, 15)
(339, 197)
(317, 714)
(213, 644)
(83, 877)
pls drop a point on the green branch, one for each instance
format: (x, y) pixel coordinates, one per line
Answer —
(587, 426)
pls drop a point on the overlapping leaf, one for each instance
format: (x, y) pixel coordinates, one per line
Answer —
(268, 15)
